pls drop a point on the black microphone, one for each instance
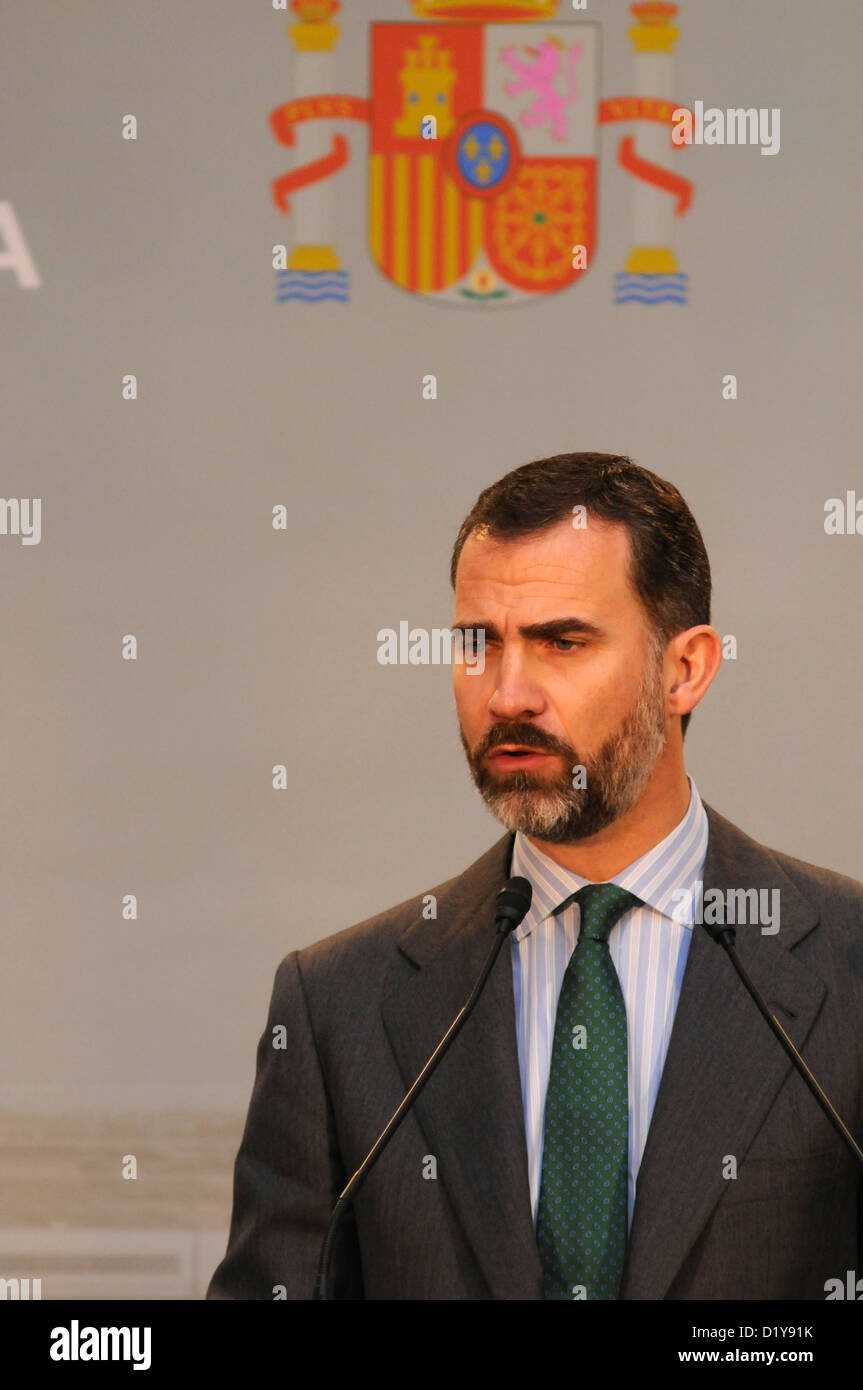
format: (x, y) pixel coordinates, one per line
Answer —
(511, 907)
(727, 936)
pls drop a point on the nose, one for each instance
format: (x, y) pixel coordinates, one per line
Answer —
(516, 695)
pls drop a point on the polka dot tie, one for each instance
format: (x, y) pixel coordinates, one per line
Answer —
(581, 1218)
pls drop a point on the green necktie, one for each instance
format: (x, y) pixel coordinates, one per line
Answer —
(582, 1214)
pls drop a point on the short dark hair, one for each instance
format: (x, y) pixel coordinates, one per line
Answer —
(669, 568)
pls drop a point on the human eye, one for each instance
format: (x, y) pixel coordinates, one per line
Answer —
(569, 643)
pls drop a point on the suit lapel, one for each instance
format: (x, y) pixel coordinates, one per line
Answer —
(724, 1067)
(471, 1110)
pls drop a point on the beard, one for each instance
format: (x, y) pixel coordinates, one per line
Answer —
(615, 776)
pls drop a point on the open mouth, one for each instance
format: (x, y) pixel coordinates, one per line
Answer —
(517, 755)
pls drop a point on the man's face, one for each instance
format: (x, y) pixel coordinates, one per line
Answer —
(570, 679)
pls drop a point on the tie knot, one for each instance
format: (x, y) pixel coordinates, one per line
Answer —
(602, 905)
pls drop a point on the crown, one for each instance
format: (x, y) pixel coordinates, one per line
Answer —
(484, 9)
(315, 11)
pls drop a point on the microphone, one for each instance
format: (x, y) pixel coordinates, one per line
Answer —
(511, 907)
(726, 937)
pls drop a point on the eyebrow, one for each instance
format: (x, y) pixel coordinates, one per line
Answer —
(554, 627)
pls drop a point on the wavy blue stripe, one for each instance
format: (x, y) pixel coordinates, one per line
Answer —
(650, 298)
(312, 298)
(658, 299)
(312, 288)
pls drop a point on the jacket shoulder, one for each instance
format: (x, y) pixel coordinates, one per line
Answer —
(827, 888)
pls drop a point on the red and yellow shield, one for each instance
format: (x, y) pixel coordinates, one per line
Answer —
(483, 157)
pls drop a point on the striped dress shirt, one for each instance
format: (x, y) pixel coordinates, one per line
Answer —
(649, 947)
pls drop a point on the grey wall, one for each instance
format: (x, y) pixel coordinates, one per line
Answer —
(259, 647)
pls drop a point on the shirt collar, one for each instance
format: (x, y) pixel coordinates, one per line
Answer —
(670, 868)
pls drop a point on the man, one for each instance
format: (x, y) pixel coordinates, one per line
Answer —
(615, 1120)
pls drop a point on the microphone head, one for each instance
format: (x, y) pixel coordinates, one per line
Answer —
(512, 904)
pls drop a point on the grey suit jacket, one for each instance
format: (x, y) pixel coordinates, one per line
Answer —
(446, 1212)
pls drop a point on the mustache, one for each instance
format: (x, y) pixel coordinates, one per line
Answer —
(526, 734)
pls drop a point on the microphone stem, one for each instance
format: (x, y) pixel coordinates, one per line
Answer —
(321, 1289)
(792, 1051)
